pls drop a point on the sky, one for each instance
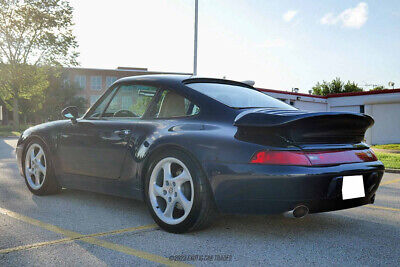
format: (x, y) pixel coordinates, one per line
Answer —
(278, 44)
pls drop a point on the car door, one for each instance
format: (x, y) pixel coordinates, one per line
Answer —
(96, 145)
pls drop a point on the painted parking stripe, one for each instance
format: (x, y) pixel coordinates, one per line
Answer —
(92, 240)
(391, 182)
(382, 208)
(36, 245)
(64, 240)
(40, 224)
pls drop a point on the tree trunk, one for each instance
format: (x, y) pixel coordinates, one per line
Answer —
(16, 114)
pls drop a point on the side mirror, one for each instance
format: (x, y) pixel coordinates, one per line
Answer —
(70, 113)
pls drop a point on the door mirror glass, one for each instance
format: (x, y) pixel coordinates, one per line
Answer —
(70, 113)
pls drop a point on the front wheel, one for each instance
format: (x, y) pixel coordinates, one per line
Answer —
(177, 193)
(38, 171)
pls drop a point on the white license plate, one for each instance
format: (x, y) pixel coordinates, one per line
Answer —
(353, 187)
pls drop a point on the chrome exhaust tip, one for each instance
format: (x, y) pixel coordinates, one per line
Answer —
(298, 212)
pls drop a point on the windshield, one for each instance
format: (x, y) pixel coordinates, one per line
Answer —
(238, 96)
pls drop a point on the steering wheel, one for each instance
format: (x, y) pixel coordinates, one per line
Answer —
(125, 113)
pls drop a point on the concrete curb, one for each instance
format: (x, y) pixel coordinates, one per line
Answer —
(392, 170)
(392, 151)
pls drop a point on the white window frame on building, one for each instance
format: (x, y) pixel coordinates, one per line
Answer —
(96, 83)
(80, 80)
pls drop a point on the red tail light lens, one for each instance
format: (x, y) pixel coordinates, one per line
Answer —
(281, 158)
(340, 157)
(313, 158)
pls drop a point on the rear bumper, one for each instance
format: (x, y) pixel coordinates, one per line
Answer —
(266, 189)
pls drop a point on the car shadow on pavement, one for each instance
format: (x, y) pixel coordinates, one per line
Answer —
(91, 212)
(86, 212)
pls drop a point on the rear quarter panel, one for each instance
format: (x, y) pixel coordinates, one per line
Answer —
(208, 143)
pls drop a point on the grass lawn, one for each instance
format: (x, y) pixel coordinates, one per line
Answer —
(390, 160)
(388, 146)
(6, 131)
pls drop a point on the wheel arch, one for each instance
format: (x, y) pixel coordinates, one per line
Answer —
(165, 147)
(28, 140)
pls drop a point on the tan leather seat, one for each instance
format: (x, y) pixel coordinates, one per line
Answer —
(173, 105)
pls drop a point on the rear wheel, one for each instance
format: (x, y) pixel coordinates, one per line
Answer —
(38, 172)
(177, 193)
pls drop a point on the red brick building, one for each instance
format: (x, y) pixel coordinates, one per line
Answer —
(95, 81)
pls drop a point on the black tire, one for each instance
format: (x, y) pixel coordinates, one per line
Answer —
(50, 185)
(203, 211)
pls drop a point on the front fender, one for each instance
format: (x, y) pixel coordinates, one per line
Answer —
(47, 132)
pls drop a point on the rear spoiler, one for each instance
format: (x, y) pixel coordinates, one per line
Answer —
(281, 118)
(303, 127)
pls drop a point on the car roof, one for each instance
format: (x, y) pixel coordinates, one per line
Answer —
(185, 79)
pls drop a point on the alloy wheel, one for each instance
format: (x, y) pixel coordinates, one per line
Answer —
(35, 166)
(171, 190)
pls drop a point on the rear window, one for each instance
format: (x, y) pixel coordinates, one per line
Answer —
(238, 96)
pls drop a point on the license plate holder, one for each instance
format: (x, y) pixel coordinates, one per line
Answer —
(353, 187)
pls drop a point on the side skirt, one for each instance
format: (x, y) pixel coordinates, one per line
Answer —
(100, 185)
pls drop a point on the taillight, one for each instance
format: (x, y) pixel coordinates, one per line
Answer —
(313, 158)
(280, 158)
(340, 157)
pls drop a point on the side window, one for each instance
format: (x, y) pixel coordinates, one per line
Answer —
(102, 105)
(131, 101)
(171, 104)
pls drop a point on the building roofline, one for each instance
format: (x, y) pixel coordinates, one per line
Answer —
(288, 93)
(375, 92)
(385, 91)
(129, 70)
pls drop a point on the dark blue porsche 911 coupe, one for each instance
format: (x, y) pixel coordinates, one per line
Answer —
(193, 147)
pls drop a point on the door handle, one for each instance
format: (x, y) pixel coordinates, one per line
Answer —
(122, 132)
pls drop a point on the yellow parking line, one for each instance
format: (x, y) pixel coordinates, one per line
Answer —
(40, 224)
(391, 182)
(64, 240)
(120, 231)
(133, 252)
(382, 208)
(92, 240)
(36, 245)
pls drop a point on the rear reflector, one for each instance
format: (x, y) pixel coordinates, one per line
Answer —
(313, 158)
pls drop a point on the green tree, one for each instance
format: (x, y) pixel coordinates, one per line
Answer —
(336, 86)
(58, 95)
(25, 82)
(321, 88)
(351, 87)
(33, 33)
(380, 87)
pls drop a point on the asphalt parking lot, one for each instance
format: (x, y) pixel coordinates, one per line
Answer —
(82, 228)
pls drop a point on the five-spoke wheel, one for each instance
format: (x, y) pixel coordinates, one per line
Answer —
(171, 190)
(38, 171)
(35, 166)
(177, 192)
